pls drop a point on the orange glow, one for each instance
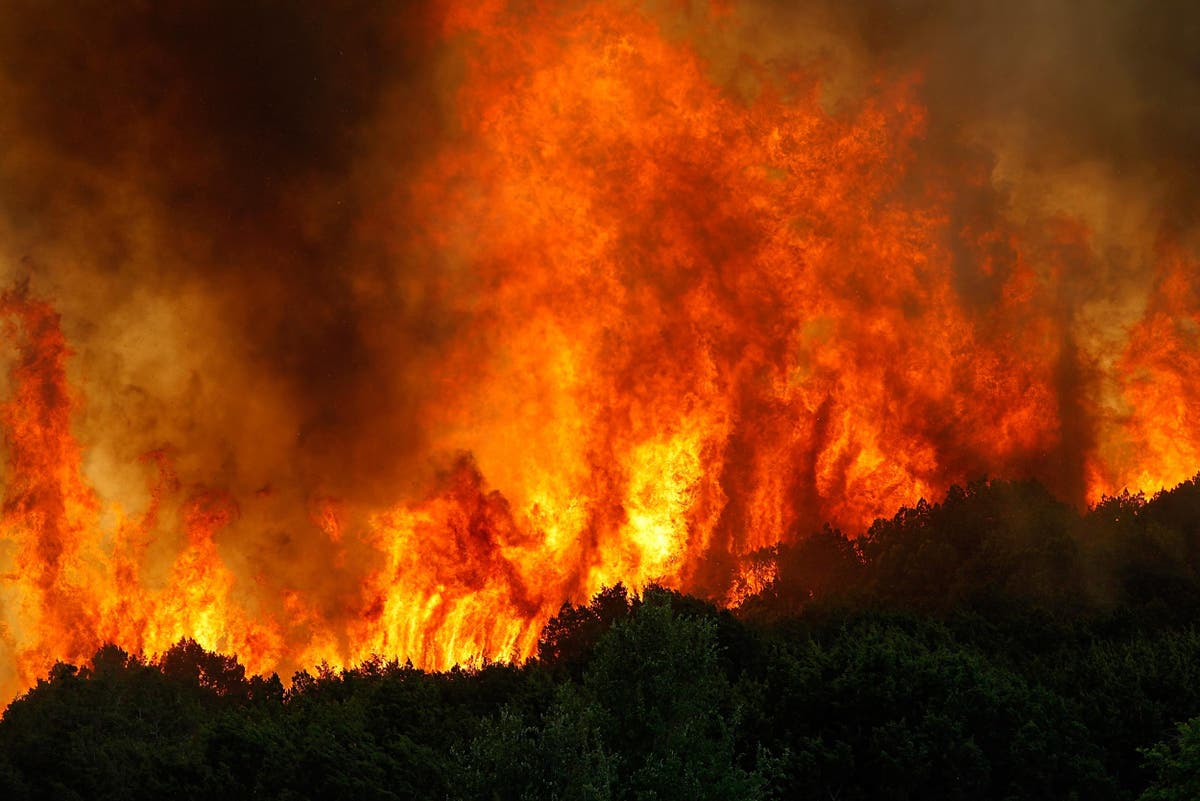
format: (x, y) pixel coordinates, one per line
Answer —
(698, 323)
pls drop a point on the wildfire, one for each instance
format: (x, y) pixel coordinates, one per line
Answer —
(697, 322)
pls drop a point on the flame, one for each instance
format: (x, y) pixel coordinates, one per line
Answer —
(1160, 412)
(700, 321)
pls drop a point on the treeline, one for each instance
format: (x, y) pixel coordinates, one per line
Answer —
(1004, 543)
(998, 645)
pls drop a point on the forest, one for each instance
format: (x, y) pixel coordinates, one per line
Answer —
(999, 644)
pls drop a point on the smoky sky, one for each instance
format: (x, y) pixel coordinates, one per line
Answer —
(216, 150)
(243, 165)
(1111, 81)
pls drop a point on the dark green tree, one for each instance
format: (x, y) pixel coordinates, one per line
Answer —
(665, 707)
(1176, 765)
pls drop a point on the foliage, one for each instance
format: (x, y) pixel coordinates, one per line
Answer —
(1176, 765)
(998, 645)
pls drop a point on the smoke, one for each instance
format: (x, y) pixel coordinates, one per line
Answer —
(1106, 88)
(190, 183)
(223, 201)
(1086, 114)
(1089, 113)
(205, 187)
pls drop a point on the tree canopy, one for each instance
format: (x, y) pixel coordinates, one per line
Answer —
(997, 645)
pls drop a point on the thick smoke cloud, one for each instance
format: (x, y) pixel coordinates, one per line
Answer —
(1088, 108)
(1109, 87)
(190, 181)
(1113, 82)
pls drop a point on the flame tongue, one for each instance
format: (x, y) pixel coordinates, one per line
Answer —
(47, 510)
(70, 584)
(694, 322)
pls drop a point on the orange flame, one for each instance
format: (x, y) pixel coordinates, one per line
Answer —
(699, 323)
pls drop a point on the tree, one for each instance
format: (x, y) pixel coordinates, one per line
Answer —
(664, 705)
(1176, 765)
(562, 759)
(567, 640)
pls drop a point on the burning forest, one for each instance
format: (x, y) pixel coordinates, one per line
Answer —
(388, 329)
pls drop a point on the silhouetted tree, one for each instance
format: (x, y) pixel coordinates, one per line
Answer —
(567, 640)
